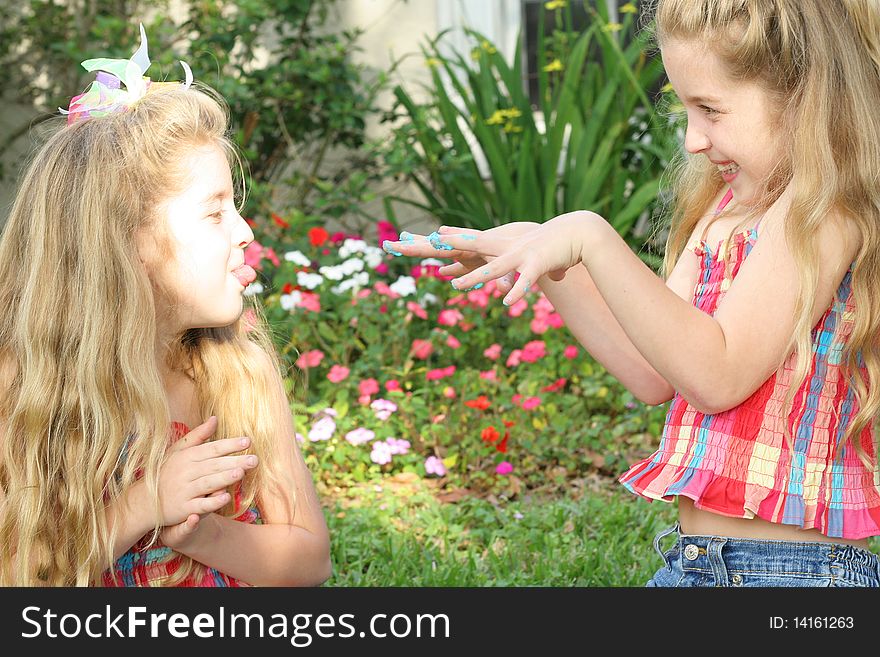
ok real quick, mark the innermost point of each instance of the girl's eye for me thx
(708, 110)
(217, 216)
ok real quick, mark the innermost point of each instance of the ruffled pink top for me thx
(736, 463)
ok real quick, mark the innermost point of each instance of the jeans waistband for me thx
(716, 554)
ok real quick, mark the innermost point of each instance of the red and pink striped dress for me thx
(737, 463)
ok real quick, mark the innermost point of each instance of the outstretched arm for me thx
(714, 362)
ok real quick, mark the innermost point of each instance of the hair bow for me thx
(105, 95)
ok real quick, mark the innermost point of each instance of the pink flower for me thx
(255, 252)
(556, 385)
(442, 373)
(493, 352)
(392, 384)
(570, 352)
(449, 317)
(478, 298)
(420, 270)
(368, 387)
(533, 351)
(386, 231)
(504, 468)
(338, 373)
(310, 301)
(449, 392)
(309, 359)
(453, 342)
(381, 453)
(489, 375)
(434, 466)
(359, 436)
(530, 403)
(382, 268)
(322, 429)
(397, 445)
(421, 349)
(384, 289)
(364, 400)
(518, 308)
(416, 309)
(514, 358)
(364, 293)
(383, 408)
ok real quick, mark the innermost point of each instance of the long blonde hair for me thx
(820, 63)
(78, 337)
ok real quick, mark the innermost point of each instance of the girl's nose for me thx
(695, 140)
(242, 235)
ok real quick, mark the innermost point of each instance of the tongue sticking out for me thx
(245, 275)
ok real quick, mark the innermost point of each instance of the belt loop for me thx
(659, 537)
(716, 561)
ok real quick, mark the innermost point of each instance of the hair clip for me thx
(105, 95)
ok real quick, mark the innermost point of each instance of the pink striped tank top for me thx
(737, 463)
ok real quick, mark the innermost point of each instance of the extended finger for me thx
(198, 435)
(411, 244)
(502, 266)
(223, 463)
(216, 481)
(217, 448)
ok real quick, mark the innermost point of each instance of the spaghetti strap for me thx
(724, 201)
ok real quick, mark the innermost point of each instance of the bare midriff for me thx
(705, 523)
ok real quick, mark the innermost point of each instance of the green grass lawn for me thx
(400, 534)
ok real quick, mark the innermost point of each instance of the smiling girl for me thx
(764, 332)
(145, 436)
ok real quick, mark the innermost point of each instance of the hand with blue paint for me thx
(472, 250)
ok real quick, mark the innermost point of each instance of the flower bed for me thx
(393, 370)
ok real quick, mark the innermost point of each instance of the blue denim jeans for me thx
(726, 561)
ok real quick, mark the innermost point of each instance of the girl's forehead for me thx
(694, 69)
(205, 167)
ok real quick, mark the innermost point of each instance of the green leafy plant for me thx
(594, 140)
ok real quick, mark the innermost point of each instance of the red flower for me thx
(317, 236)
(287, 289)
(556, 385)
(481, 403)
(502, 446)
(279, 221)
(490, 435)
(508, 423)
(251, 223)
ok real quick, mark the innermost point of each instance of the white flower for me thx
(352, 265)
(252, 289)
(432, 261)
(428, 299)
(298, 258)
(350, 246)
(290, 301)
(333, 273)
(356, 282)
(374, 257)
(404, 286)
(307, 280)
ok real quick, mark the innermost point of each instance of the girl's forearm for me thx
(586, 314)
(133, 516)
(684, 345)
(261, 555)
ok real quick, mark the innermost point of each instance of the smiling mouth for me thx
(728, 169)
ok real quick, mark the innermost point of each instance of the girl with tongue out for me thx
(145, 435)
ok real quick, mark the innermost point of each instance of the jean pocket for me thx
(668, 554)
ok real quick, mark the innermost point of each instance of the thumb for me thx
(198, 435)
